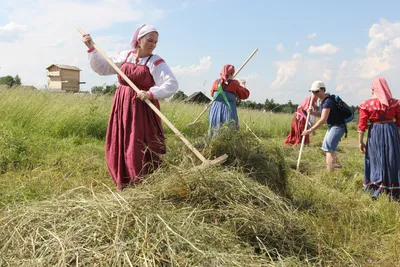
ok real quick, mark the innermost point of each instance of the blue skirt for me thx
(382, 160)
(219, 113)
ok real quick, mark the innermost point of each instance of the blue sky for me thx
(344, 43)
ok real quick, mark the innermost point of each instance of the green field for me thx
(58, 205)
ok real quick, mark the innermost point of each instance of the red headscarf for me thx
(226, 71)
(382, 90)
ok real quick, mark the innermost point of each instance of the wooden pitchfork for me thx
(205, 162)
(209, 104)
(305, 128)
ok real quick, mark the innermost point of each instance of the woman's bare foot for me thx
(119, 188)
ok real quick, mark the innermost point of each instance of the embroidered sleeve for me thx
(165, 82)
(101, 66)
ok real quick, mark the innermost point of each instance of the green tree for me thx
(97, 90)
(179, 96)
(270, 105)
(17, 80)
(105, 89)
(7, 80)
(110, 89)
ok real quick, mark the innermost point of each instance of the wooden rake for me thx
(304, 137)
(205, 162)
(234, 75)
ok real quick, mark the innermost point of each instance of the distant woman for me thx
(135, 136)
(225, 91)
(382, 151)
(299, 122)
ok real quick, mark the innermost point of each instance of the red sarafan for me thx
(299, 123)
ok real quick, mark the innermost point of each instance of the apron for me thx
(135, 136)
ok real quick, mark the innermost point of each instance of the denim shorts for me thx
(332, 137)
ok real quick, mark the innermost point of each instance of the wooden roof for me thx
(197, 97)
(65, 67)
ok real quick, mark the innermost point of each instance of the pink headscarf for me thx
(306, 103)
(139, 33)
(226, 71)
(382, 90)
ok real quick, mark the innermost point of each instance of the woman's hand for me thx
(87, 39)
(243, 83)
(306, 132)
(362, 147)
(143, 95)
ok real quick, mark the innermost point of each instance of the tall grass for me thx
(58, 206)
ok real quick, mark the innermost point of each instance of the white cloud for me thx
(312, 35)
(286, 70)
(297, 56)
(339, 87)
(323, 49)
(11, 32)
(297, 43)
(249, 77)
(327, 74)
(45, 32)
(382, 53)
(203, 66)
(280, 47)
(380, 57)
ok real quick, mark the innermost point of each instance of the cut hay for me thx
(264, 162)
(212, 218)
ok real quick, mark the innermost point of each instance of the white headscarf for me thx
(140, 32)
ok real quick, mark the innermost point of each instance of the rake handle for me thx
(148, 102)
(304, 137)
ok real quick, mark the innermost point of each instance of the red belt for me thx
(381, 122)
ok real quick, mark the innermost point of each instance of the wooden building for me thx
(63, 78)
(197, 97)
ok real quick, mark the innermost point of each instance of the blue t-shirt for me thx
(334, 116)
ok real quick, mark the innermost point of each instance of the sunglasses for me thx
(315, 92)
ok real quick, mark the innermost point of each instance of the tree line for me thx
(10, 81)
(269, 105)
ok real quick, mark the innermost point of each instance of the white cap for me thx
(316, 86)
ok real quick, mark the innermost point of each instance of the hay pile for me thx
(213, 217)
(264, 163)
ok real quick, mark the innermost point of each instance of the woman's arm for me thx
(324, 116)
(165, 82)
(240, 91)
(361, 142)
(214, 88)
(101, 66)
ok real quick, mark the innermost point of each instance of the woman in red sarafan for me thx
(135, 136)
(382, 150)
(299, 122)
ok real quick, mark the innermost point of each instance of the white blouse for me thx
(165, 82)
